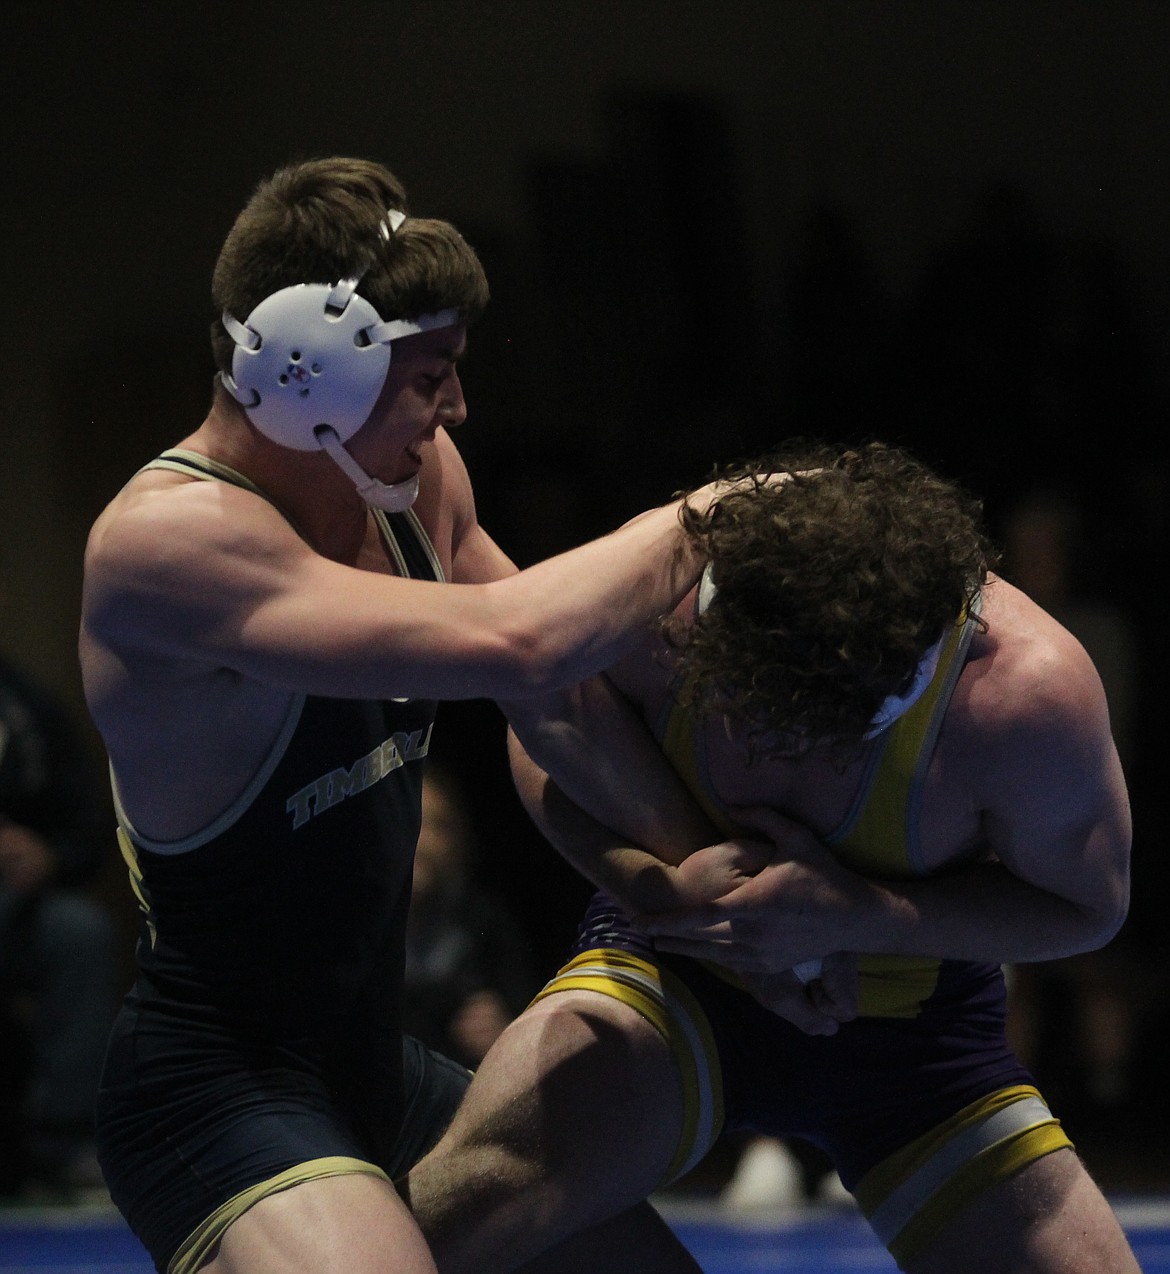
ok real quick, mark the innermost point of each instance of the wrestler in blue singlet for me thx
(261, 1044)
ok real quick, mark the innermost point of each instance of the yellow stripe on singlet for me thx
(876, 840)
(675, 1014)
(911, 1196)
(129, 854)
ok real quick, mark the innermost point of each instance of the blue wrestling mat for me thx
(821, 1238)
(80, 1241)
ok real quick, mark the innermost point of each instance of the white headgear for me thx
(309, 364)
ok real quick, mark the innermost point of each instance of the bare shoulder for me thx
(1032, 652)
(155, 584)
(1029, 690)
(168, 565)
(162, 551)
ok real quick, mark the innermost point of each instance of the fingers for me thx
(751, 856)
(785, 996)
(835, 992)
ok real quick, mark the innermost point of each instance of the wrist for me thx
(640, 882)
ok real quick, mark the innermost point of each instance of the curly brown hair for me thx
(319, 221)
(830, 587)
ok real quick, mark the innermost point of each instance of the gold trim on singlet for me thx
(667, 1004)
(909, 1197)
(200, 1245)
(235, 811)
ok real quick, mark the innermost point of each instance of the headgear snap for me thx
(309, 364)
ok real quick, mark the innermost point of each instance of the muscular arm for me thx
(212, 576)
(1056, 820)
(1056, 826)
(600, 753)
(642, 881)
(623, 790)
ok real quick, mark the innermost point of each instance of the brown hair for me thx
(320, 221)
(830, 587)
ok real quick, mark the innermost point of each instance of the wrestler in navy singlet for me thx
(270, 969)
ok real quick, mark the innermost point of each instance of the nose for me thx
(452, 405)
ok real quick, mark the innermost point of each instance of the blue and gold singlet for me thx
(261, 1043)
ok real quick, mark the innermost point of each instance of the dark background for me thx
(706, 227)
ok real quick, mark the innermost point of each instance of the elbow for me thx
(1104, 920)
(532, 663)
(543, 641)
(1111, 924)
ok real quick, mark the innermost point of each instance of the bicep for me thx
(247, 595)
(478, 559)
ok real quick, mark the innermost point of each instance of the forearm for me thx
(603, 757)
(982, 912)
(613, 862)
(580, 611)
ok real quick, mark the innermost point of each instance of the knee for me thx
(575, 1070)
(596, 1033)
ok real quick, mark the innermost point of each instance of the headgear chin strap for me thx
(309, 364)
(393, 497)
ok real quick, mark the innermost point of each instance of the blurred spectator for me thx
(771, 1172)
(58, 968)
(1075, 1021)
(469, 970)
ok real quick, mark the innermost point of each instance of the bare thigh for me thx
(1049, 1217)
(353, 1224)
(570, 1121)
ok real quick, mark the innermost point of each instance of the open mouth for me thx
(414, 449)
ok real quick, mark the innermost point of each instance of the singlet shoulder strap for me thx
(194, 465)
(405, 537)
(410, 546)
(881, 831)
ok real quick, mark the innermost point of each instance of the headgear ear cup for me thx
(304, 358)
(309, 364)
